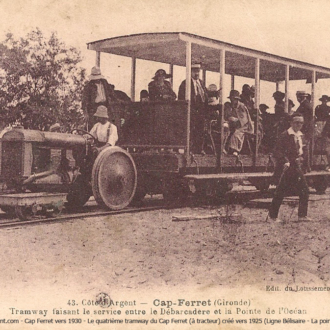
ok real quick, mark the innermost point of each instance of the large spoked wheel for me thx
(114, 178)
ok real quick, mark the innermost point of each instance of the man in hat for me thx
(238, 121)
(198, 95)
(281, 118)
(322, 111)
(247, 96)
(96, 92)
(305, 109)
(266, 123)
(104, 131)
(279, 102)
(198, 102)
(161, 89)
(290, 154)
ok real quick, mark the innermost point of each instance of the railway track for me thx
(14, 222)
(91, 209)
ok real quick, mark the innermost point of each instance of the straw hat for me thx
(95, 73)
(302, 93)
(196, 66)
(101, 112)
(234, 94)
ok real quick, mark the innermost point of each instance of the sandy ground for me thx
(233, 244)
(218, 247)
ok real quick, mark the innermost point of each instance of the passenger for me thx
(199, 100)
(213, 108)
(263, 109)
(267, 122)
(325, 139)
(247, 96)
(96, 92)
(198, 91)
(322, 111)
(305, 109)
(238, 120)
(290, 155)
(211, 119)
(144, 96)
(291, 106)
(213, 95)
(160, 89)
(104, 131)
(281, 118)
(280, 104)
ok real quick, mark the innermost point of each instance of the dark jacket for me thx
(193, 97)
(158, 93)
(89, 95)
(322, 112)
(305, 109)
(286, 152)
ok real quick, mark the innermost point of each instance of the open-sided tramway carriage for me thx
(40, 170)
(158, 136)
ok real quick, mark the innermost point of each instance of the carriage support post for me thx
(222, 98)
(188, 87)
(133, 73)
(257, 101)
(98, 59)
(287, 79)
(313, 106)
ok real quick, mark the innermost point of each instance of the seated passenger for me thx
(305, 109)
(325, 139)
(144, 96)
(160, 89)
(238, 120)
(322, 111)
(279, 102)
(213, 98)
(103, 131)
(247, 96)
(211, 119)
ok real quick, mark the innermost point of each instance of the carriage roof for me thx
(171, 48)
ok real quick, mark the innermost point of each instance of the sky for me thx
(296, 29)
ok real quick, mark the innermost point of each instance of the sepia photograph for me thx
(164, 165)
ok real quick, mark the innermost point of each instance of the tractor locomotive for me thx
(42, 170)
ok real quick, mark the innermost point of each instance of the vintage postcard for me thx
(164, 165)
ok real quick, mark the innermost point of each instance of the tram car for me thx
(39, 170)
